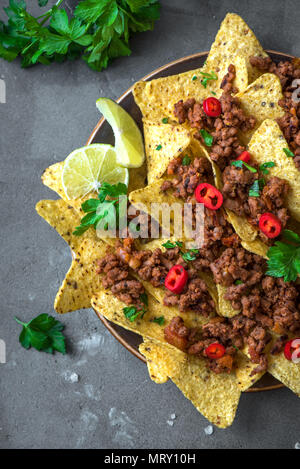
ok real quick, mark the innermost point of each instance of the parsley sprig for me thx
(208, 77)
(132, 312)
(264, 166)
(187, 256)
(284, 259)
(44, 333)
(97, 209)
(207, 137)
(98, 31)
(241, 163)
(256, 187)
(288, 152)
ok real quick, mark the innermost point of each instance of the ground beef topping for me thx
(116, 277)
(153, 266)
(287, 72)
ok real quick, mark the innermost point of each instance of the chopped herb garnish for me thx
(160, 320)
(207, 137)
(144, 299)
(284, 259)
(238, 282)
(159, 147)
(241, 163)
(194, 78)
(44, 333)
(207, 77)
(186, 256)
(214, 93)
(288, 152)
(97, 209)
(186, 160)
(131, 313)
(256, 188)
(165, 120)
(169, 245)
(263, 167)
(189, 255)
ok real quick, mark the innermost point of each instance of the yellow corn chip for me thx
(214, 396)
(163, 143)
(260, 100)
(234, 39)
(243, 372)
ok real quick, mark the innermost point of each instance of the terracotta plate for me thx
(103, 134)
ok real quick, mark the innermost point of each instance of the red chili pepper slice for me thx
(244, 156)
(212, 107)
(209, 196)
(176, 279)
(270, 225)
(292, 350)
(215, 350)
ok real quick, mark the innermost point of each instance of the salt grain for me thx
(297, 445)
(173, 416)
(170, 422)
(209, 430)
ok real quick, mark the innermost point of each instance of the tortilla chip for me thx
(267, 145)
(235, 39)
(157, 373)
(214, 396)
(285, 371)
(63, 218)
(260, 100)
(225, 308)
(172, 141)
(81, 281)
(243, 372)
(257, 246)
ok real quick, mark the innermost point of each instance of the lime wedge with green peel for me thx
(88, 167)
(128, 138)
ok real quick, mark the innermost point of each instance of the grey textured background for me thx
(49, 112)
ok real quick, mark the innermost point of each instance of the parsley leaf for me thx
(241, 163)
(160, 320)
(256, 188)
(159, 147)
(263, 167)
(44, 333)
(284, 259)
(186, 160)
(98, 209)
(238, 282)
(207, 137)
(98, 32)
(207, 77)
(288, 152)
(169, 245)
(132, 313)
(165, 120)
(189, 255)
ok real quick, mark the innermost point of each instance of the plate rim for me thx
(96, 129)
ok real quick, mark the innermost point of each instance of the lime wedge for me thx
(128, 138)
(86, 168)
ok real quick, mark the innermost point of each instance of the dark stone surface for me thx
(49, 112)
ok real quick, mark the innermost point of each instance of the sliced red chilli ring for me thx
(292, 350)
(209, 196)
(176, 279)
(215, 350)
(212, 107)
(244, 156)
(270, 225)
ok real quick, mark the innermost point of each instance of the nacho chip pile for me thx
(216, 396)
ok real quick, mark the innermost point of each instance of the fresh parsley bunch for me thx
(99, 31)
